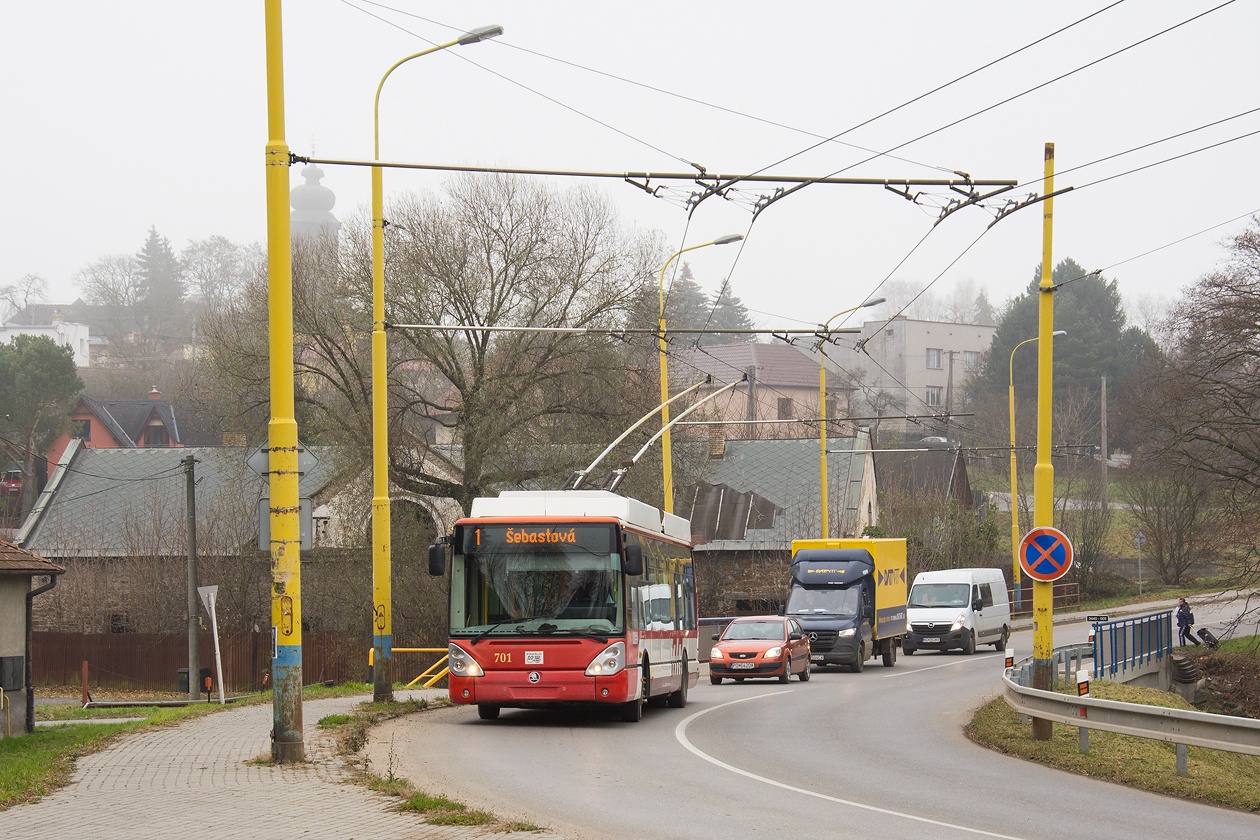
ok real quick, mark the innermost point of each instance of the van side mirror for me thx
(977, 605)
(437, 559)
(632, 560)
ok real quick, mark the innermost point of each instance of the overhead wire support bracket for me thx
(1033, 198)
(973, 198)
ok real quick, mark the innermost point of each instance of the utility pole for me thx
(949, 391)
(751, 373)
(1102, 450)
(194, 623)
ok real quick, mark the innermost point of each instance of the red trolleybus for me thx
(569, 597)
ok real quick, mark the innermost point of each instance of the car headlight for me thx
(461, 662)
(773, 653)
(611, 661)
(844, 634)
(958, 622)
(716, 653)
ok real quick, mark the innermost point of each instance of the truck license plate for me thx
(742, 666)
(817, 657)
(931, 640)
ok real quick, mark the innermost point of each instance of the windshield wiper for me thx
(496, 626)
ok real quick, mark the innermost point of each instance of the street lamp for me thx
(1015, 540)
(382, 623)
(667, 468)
(822, 407)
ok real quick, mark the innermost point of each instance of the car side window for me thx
(986, 594)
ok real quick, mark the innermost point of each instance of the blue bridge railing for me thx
(1130, 643)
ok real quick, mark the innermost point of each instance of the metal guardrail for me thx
(1177, 726)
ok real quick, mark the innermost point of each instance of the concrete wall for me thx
(13, 589)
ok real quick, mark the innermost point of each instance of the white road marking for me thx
(903, 671)
(680, 733)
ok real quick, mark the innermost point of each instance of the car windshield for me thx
(842, 602)
(743, 630)
(939, 595)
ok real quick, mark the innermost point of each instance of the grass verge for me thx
(1221, 778)
(352, 733)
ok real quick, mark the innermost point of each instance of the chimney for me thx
(717, 440)
(155, 394)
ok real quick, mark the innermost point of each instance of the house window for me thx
(934, 395)
(81, 429)
(156, 435)
(971, 360)
(934, 355)
(785, 408)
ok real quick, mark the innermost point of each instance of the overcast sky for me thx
(124, 115)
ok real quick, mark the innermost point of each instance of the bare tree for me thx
(16, 297)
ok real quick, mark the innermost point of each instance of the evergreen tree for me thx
(161, 288)
(727, 311)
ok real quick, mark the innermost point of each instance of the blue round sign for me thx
(1045, 554)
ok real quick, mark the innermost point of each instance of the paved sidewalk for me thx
(199, 779)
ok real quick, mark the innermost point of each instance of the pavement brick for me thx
(200, 779)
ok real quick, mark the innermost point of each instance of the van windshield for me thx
(939, 595)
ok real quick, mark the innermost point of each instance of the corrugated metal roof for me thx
(784, 473)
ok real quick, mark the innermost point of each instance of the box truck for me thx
(958, 608)
(849, 596)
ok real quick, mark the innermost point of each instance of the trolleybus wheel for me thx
(678, 699)
(486, 712)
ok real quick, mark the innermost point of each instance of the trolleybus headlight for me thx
(611, 661)
(461, 664)
(773, 653)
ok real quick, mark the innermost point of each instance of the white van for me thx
(958, 608)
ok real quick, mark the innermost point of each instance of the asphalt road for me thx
(879, 754)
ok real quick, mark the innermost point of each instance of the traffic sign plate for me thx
(1045, 554)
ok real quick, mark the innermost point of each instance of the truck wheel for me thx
(890, 652)
(969, 643)
(907, 650)
(487, 712)
(1000, 644)
(860, 662)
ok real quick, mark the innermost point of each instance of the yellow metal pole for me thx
(822, 411)
(286, 589)
(667, 467)
(1015, 536)
(822, 441)
(382, 589)
(1043, 475)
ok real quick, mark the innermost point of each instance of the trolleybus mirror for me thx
(437, 559)
(631, 560)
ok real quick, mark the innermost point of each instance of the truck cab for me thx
(832, 598)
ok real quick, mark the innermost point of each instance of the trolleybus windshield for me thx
(536, 578)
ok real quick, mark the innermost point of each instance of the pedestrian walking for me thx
(1185, 621)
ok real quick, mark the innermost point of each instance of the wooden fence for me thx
(141, 661)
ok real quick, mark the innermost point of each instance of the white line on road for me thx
(680, 733)
(904, 671)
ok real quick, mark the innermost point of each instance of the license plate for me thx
(817, 657)
(931, 640)
(742, 666)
